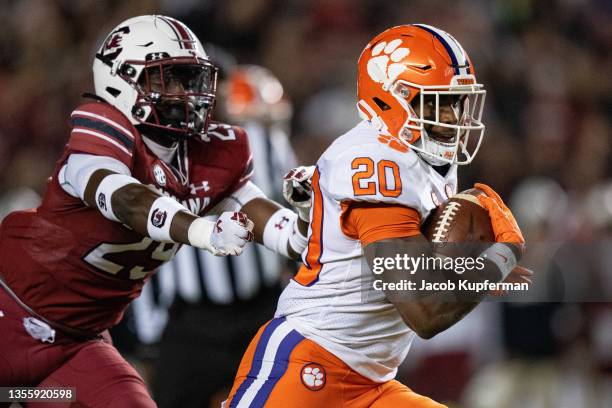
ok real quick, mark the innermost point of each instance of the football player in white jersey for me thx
(332, 344)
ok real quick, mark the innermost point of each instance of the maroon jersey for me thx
(72, 265)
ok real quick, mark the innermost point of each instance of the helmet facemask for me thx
(449, 136)
(175, 96)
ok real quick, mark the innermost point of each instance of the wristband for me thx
(502, 256)
(160, 218)
(297, 241)
(279, 231)
(107, 188)
(199, 235)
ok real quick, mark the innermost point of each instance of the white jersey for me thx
(325, 301)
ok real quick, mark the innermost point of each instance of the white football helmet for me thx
(155, 71)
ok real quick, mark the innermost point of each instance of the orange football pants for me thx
(282, 369)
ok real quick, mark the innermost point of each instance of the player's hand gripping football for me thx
(505, 230)
(232, 231)
(504, 225)
(297, 190)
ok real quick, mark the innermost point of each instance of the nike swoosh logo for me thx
(505, 259)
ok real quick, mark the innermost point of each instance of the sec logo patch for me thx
(313, 376)
(160, 176)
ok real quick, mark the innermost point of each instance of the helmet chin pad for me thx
(435, 150)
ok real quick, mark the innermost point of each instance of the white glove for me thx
(297, 190)
(227, 236)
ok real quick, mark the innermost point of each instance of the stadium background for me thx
(546, 66)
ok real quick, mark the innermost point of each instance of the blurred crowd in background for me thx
(546, 66)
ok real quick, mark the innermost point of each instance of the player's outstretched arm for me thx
(277, 228)
(122, 198)
(131, 202)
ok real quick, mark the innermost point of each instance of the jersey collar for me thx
(166, 154)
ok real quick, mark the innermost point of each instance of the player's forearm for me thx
(259, 210)
(429, 312)
(439, 310)
(433, 317)
(277, 228)
(133, 204)
(140, 208)
(426, 308)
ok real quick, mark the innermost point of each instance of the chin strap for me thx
(429, 157)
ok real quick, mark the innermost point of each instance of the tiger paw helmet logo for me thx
(313, 376)
(384, 66)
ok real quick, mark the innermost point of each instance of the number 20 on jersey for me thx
(383, 176)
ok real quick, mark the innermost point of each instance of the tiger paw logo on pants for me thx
(313, 376)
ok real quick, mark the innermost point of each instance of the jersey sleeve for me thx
(375, 174)
(99, 129)
(371, 222)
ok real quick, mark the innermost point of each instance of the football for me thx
(460, 220)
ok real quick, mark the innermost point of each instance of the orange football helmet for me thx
(409, 69)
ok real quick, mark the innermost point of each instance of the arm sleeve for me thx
(74, 175)
(371, 222)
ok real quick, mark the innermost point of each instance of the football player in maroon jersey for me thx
(144, 171)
